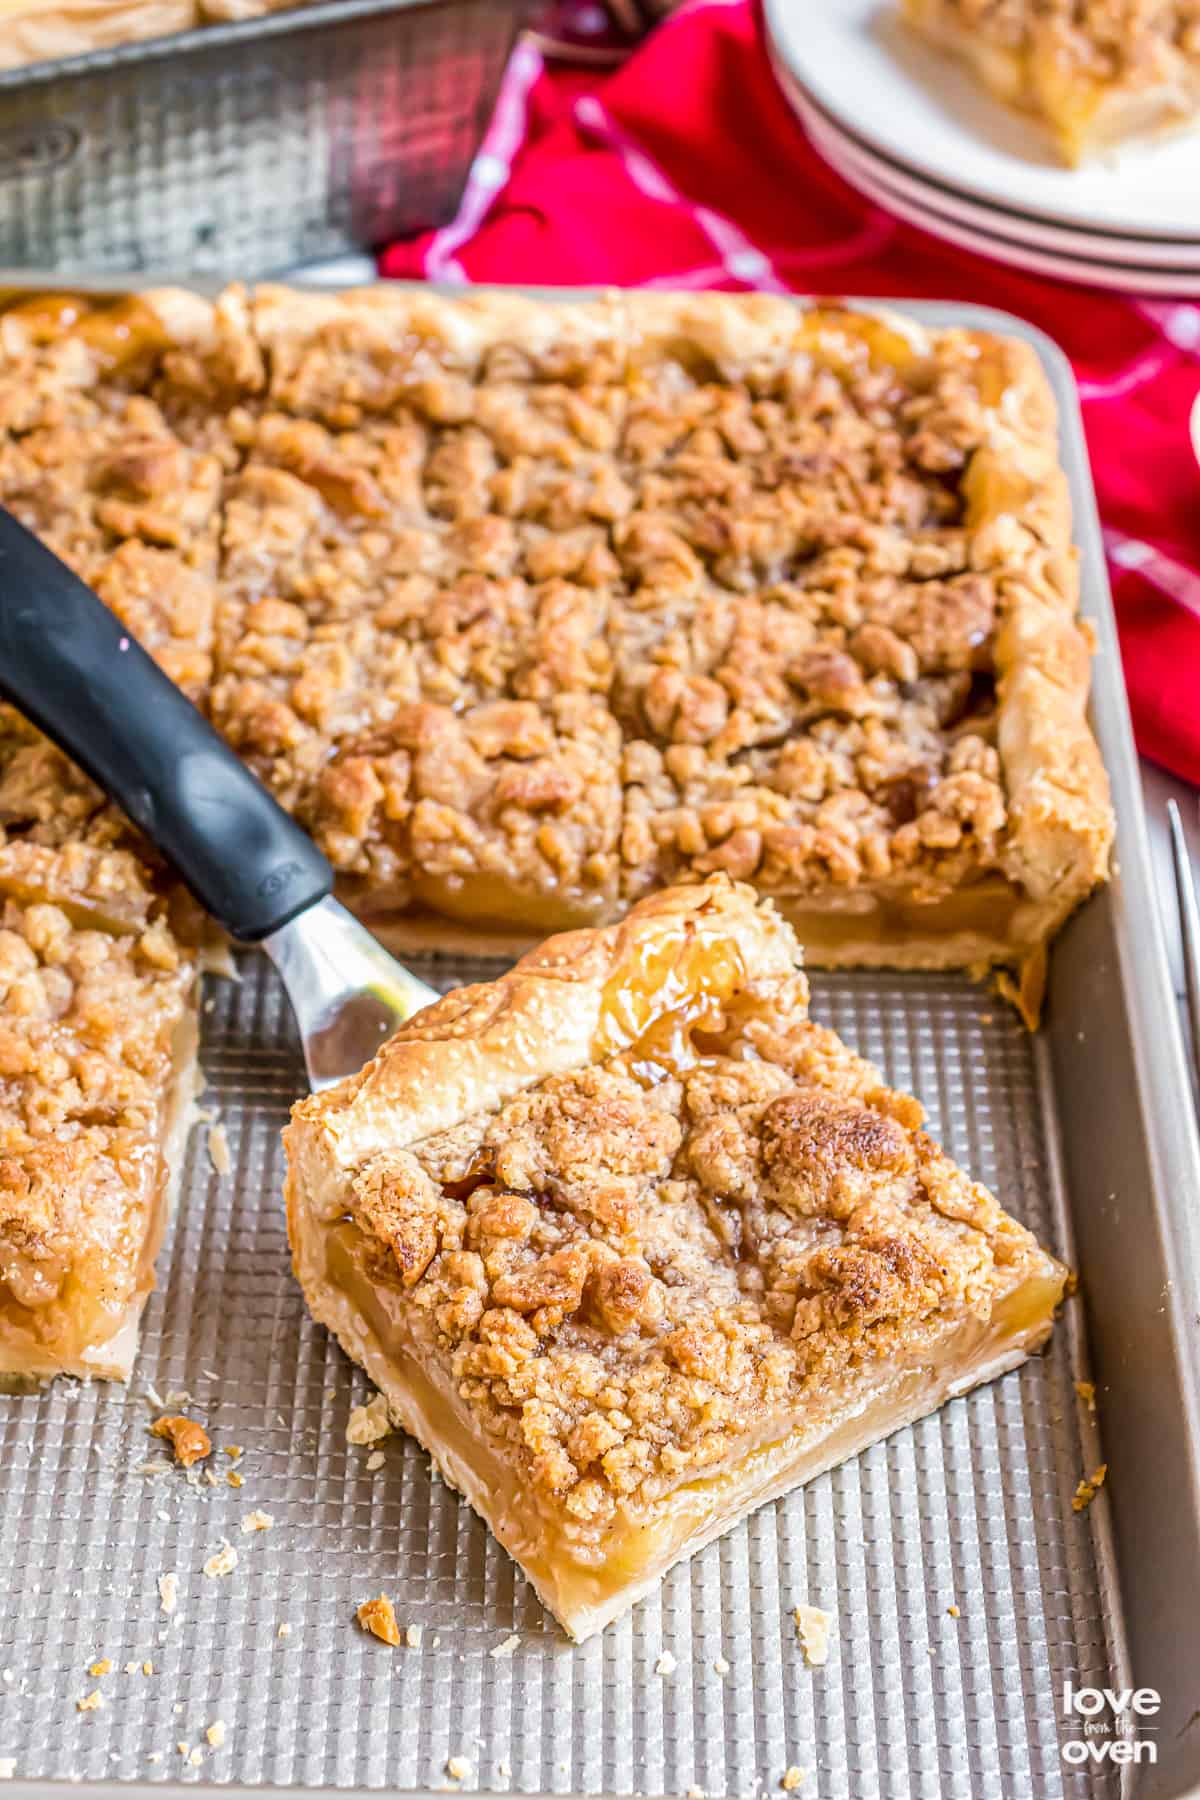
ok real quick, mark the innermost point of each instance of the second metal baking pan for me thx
(250, 146)
(988, 1639)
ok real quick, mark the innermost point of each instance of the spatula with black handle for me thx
(74, 670)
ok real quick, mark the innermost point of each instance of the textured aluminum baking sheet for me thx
(242, 149)
(969, 1508)
(1084, 1132)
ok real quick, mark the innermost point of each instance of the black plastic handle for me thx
(73, 669)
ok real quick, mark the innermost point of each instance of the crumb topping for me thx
(570, 641)
(631, 1269)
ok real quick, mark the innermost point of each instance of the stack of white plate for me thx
(913, 130)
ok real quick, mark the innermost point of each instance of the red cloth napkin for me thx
(686, 168)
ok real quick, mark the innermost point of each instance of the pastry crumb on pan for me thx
(632, 1245)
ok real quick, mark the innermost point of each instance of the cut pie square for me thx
(632, 1245)
(1096, 72)
(97, 1074)
(97, 1067)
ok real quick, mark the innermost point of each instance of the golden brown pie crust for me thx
(631, 1244)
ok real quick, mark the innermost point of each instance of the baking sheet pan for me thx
(1084, 1132)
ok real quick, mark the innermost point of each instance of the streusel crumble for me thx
(632, 1245)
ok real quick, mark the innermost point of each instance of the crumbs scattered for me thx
(103, 1667)
(791, 1778)
(218, 1149)
(1071, 1284)
(234, 1451)
(234, 1479)
(188, 1439)
(221, 1562)
(196, 1757)
(147, 1668)
(375, 1461)
(285, 1630)
(458, 1768)
(507, 1647)
(666, 1664)
(1087, 1393)
(131, 1668)
(1087, 1490)
(413, 1634)
(168, 1592)
(216, 1733)
(812, 1628)
(257, 1521)
(721, 1666)
(90, 1702)
(954, 1612)
(368, 1424)
(378, 1616)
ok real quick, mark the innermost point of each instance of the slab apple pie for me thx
(1096, 72)
(528, 610)
(632, 1245)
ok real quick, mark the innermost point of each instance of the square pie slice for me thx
(97, 1067)
(632, 1245)
(1096, 72)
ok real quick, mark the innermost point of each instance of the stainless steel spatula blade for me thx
(347, 993)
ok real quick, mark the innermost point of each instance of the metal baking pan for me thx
(252, 146)
(1085, 1132)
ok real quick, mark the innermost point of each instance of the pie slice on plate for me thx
(632, 1245)
(1097, 72)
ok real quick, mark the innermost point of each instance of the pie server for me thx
(73, 669)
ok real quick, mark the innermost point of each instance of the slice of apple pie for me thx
(97, 1059)
(1097, 72)
(632, 1245)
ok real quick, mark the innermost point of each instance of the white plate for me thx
(1125, 280)
(1138, 253)
(921, 109)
